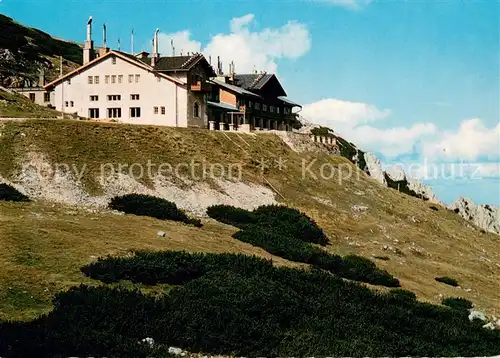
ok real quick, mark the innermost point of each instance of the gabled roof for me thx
(180, 63)
(257, 81)
(287, 101)
(124, 56)
(252, 81)
(234, 88)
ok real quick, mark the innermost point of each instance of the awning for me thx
(224, 106)
(286, 100)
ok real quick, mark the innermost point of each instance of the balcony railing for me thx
(200, 86)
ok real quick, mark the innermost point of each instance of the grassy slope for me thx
(14, 105)
(46, 253)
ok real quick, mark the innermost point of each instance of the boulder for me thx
(477, 315)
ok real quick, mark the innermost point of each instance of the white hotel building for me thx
(136, 88)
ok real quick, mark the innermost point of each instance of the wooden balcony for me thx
(201, 86)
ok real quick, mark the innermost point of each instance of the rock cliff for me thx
(484, 216)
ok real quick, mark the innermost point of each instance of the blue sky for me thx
(406, 79)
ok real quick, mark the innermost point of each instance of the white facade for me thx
(113, 88)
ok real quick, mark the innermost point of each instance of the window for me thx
(46, 97)
(106, 79)
(162, 110)
(264, 107)
(134, 97)
(155, 110)
(277, 110)
(93, 112)
(91, 80)
(113, 60)
(257, 105)
(114, 97)
(130, 78)
(272, 109)
(286, 110)
(196, 110)
(94, 98)
(96, 80)
(71, 103)
(114, 112)
(32, 97)
(120, 78)
(135, 112)
(137, 77)
(250, 104)
(113, 78)
(66, 104)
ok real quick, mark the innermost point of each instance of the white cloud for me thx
(471, 141)
(332, 111)
(248, 49)
(348, 4)
(350, 119)
(182, 42)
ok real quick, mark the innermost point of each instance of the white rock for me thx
(359, 208)
(375, 168)
(161, 234)
(485, 217)
(174, 350)
(149, 341)
(489, 326)
(477, 315)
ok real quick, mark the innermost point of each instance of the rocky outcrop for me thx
(396, 178)
(375, 168)
(485, 217)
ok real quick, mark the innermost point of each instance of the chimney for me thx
(231, 72)
(41, 78)
(88, 49)
(156, 56)
(104, 49)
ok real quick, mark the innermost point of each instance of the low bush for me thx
(9, 193)
(383, 258)
(447, 280)
(402, 295)
(458, 303)
(433, 207)
(244, 306)
(232, 216)
(291, 222)
(351, 267)
(146, 205)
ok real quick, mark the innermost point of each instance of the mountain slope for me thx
(358, 214)
(24, 51)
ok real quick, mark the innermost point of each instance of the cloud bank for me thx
(250, 50)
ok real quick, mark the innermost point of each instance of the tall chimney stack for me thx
(104, 48)
(156, 56)
(88, 49)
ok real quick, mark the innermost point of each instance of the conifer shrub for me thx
(247, 307)
(146, 205)
(458, 303)
(292, 222)
(447, 280)
(280, 244)
(9, 193)
(232, 216)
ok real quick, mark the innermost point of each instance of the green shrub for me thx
(447, 280)
(9, 193)
(402, 295)
(247, 307)
(230, 215)
(280, 244)
(458, 303)
(291, 222)
(146, 205)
